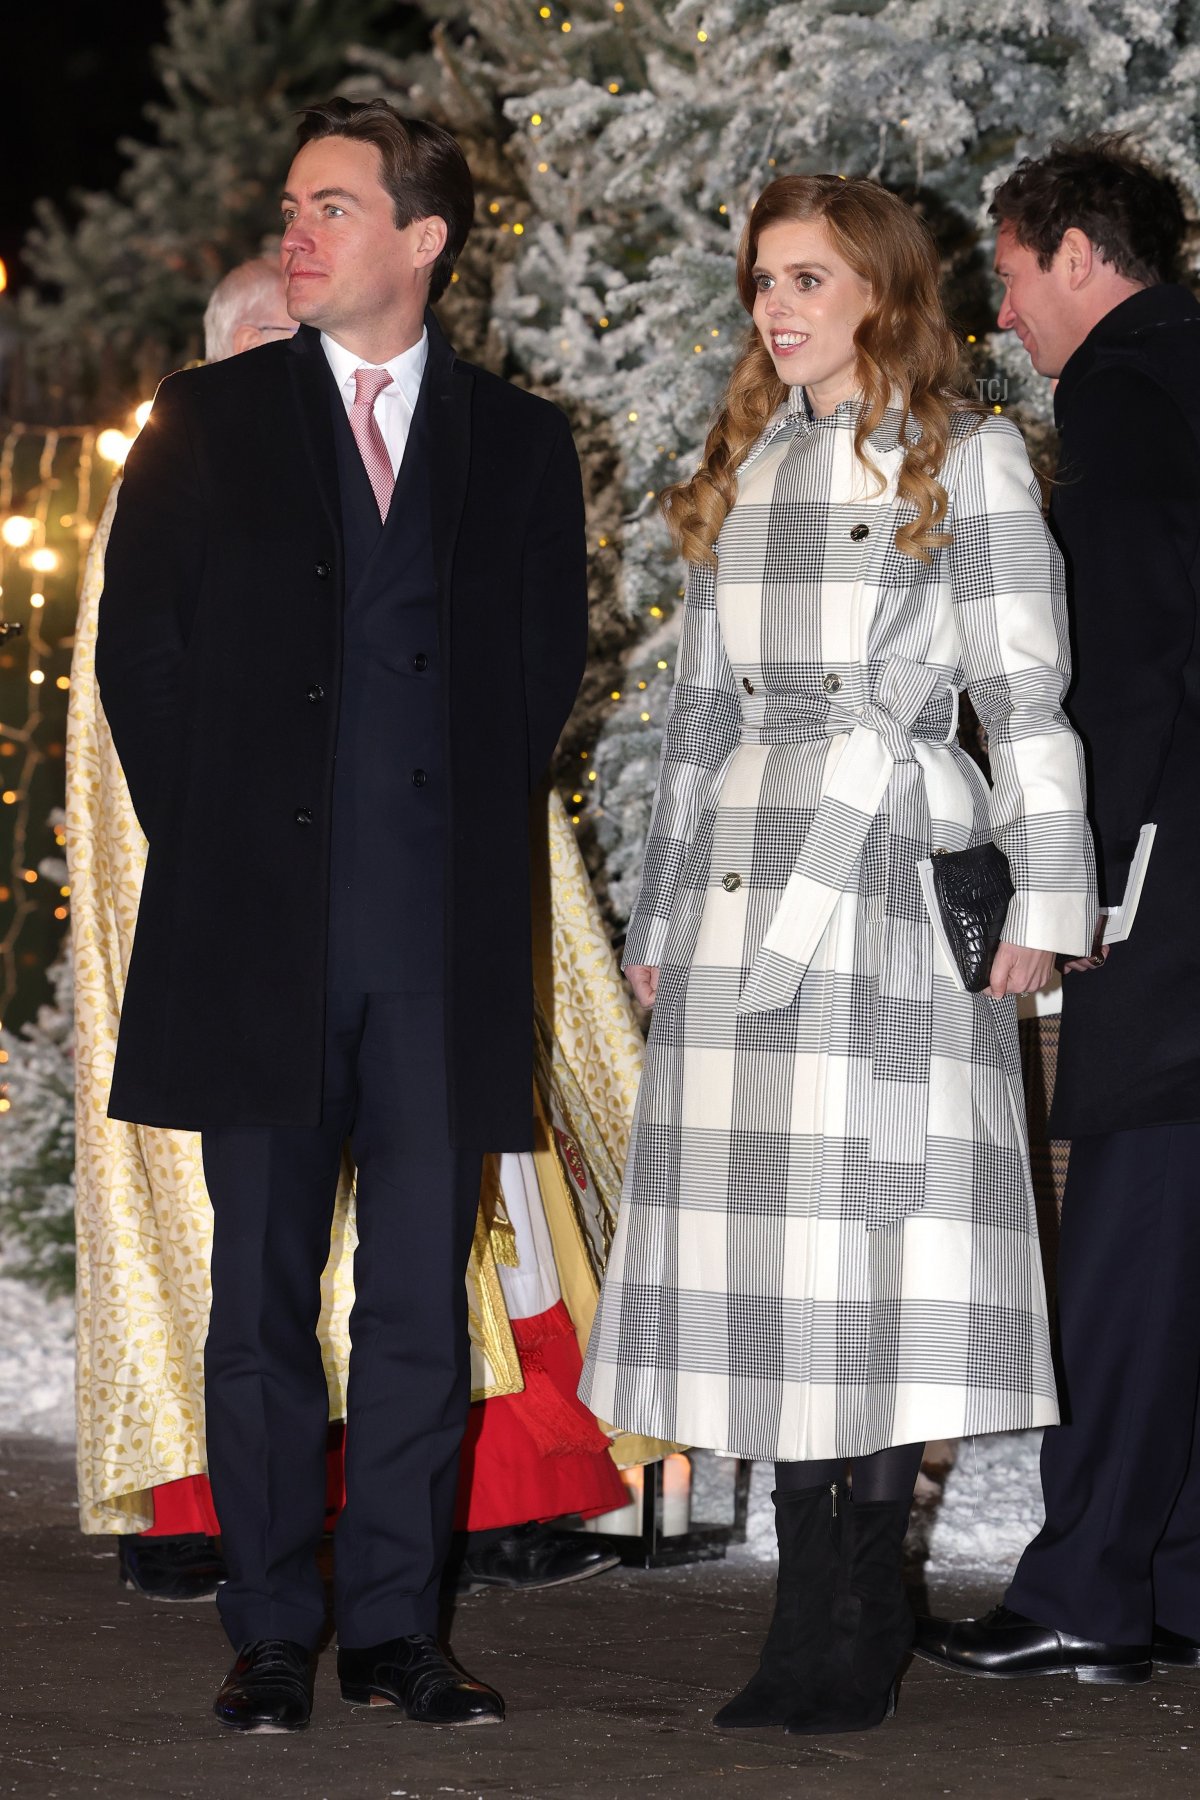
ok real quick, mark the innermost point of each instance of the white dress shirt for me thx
(395, 406)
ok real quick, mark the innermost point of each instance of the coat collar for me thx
(1166, 303)
(797, 418)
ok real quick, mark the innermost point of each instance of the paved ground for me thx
(610, 1685)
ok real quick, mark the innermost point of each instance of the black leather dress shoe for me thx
(414, 1674)
(530, 1556)
(170, 1568)
(1177, 1652)
(1006, 1644)
(269, 1688)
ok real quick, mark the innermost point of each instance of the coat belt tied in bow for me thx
(878, 753)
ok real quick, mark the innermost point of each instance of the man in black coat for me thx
(1088, 240)
(344, 621)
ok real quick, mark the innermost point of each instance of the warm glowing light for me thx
(543, 12)
(37, 677)
(142, 413)
(535, 118)
(44, 561)
(641, 686)
(997, 409)
(618, 5)
(29, 875)
(722, 209)
(574, 818)
(518, 231)
(65, 892)
(614, 87)
(113, 446)
(591, 774)
(661, 663)
(566, 24)
(699, 349)
(645, 718)
(3, 275)
(970, 337)
(715, 332)
(17, 531)
(494, 207)
(37, 601)
(702, 37)
(63, 681)
(633, 418)
(9, 796)
(576, 799)
(5, 1105)
(60, 912)
(616, 694)
(542, 168)
(603, 543)
(656, 612)
(603, 324)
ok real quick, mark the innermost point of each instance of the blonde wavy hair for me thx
(904, 345)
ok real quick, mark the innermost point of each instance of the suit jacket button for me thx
(747, 684)
(316, 692)
(323, 571)
(419, 778)
(303, 815)
(731, 882)
(420, 662)
(859, 532)
(832, 684)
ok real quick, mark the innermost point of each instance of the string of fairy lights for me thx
(53, 480)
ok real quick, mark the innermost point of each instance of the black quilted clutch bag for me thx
(973, 890)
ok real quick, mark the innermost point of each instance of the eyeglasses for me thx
(280, 330)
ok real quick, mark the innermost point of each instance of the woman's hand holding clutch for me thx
(1016, 970)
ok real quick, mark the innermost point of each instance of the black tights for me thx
(888, 1475)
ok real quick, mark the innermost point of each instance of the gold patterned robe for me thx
(144, 1223)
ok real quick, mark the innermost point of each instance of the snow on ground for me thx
(986, 1513)
(37, 1363)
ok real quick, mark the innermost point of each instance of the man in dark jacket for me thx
(1089, 238)
(344, 621)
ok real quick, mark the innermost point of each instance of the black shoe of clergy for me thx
(170, 1568)
(798, 1641)
(414, 1674)
(269, 1688)
(1006, 1644)
(530, 1556)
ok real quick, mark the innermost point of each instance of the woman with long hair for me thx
(827, 1248)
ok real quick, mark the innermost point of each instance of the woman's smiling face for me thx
(808, 305)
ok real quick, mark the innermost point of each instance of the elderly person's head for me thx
(246, 308)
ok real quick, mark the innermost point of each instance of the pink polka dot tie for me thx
(368, 385)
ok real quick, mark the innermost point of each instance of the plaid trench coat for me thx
(827, 1241)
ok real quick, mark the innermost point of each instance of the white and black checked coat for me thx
(827, 1241)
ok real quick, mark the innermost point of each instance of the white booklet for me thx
(1120, 919)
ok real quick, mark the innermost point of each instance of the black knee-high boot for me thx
(806, 1524)
(871, 1624)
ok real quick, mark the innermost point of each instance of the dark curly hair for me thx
(424, 170)
(1131, 214)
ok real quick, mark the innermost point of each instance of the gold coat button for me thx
(731, 882)
(832, 684)
(859, 532)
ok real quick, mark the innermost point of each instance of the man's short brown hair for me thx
(424, 170)
(1132, 215)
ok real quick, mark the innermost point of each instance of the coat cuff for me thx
(1062, 923)
(645, 941)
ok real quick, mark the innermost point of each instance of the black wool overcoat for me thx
(1126, 511)
(221, 618)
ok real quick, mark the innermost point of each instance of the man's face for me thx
(345, 263)
(269, 323)
(1039, 304)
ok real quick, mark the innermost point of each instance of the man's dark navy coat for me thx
(1126, 511)
(220, 664)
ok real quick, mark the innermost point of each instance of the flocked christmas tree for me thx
(634, 136)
